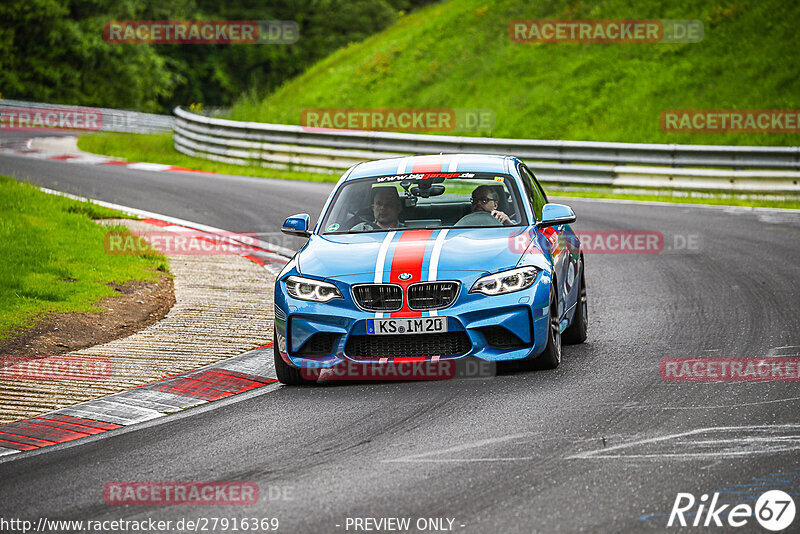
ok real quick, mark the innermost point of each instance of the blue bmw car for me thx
(431, 258)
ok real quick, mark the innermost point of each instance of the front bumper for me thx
(474, 318)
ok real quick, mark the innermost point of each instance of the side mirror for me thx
(297, 225)
(556, 214)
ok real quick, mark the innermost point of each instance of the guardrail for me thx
(113, 120)
(708, 167)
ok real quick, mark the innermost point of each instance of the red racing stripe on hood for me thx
(428, 164)
(408, 256)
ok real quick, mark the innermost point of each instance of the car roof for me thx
(432, 163)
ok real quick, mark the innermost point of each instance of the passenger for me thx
(386, 207)
(485, 198)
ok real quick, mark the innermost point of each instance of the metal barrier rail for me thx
(745, 168)
(736, 168)
(113, 120)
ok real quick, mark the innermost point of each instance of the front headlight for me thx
(313, 290)
(506, 281)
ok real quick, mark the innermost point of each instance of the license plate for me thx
(411, 325)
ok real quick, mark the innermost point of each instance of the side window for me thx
(538, 188)
(533, 191)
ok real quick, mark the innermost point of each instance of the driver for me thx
(484, 198)
(386, 207)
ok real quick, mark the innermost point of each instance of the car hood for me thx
(354, 258)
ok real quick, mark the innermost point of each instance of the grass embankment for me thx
(458, 54)
(54, 259)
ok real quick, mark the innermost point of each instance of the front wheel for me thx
(576, 333)
(551, 356)
(287, 374)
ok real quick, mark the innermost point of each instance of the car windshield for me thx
(429, 200)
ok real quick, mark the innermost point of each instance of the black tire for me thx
(286, 373)
(576, 332)
(551, 356)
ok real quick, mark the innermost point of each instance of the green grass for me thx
(54, 259)
(158, 148)
(457, 54)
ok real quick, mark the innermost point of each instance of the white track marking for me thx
(780, 444)
(718, 406)
(466, 460)
(778, 351)
(148, 166)
(89, 160)
(421, 457)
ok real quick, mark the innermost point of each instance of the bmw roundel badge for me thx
(404, 276)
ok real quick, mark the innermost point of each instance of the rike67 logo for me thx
(774, 510)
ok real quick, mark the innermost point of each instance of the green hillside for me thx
(458, 54)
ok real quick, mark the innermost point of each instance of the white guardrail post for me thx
(707, 167)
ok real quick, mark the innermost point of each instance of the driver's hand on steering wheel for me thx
(502, 217)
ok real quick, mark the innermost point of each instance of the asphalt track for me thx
(602, 444)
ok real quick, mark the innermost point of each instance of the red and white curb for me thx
(248, 371)
(245, 372)
(23, 148)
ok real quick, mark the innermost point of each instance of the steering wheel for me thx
(478, 218)
(355, 219)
